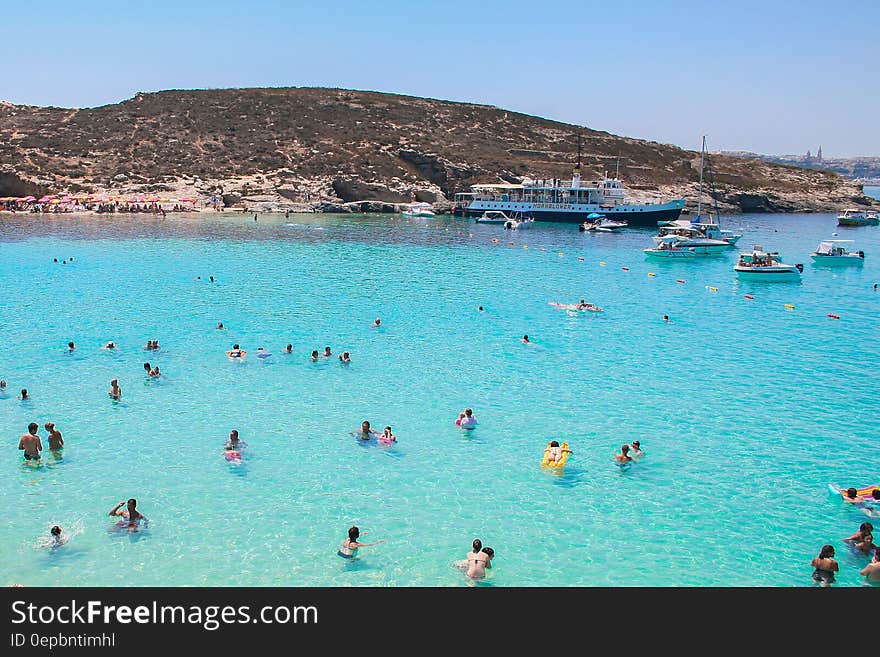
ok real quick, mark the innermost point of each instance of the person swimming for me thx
(30, 443)
(377, 322)
(235, 352)
(365, 432)
(824, 566)
(624, 456)
(344, 357)
(478, 560)
(327, 353)
(115, 390)
(148, 368)
(154, 373)
(636, 449)
(233, 443)
(288, 349)
(56, 440)
(351, 544)
(314, 356)
(71, 346)
(131, 515)
(525, 339)
(468, 421)
(262, 353)
(110, 345)
(387, 437)
(220, 325)
(24, 395)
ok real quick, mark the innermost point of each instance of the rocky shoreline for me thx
(339, 150)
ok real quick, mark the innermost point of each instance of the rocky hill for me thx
(320, 148)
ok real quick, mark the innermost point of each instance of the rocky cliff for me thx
(318, 148)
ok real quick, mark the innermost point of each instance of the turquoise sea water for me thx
(745, 410)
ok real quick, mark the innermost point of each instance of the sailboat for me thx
(709, 226)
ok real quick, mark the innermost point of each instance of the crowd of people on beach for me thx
(97, 204)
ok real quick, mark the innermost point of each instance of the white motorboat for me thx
(686, 236)
(854, 217)
(761, 265)
(492, 217)
(668, 248)
(832, 252)
(518, 223)
(418, 210)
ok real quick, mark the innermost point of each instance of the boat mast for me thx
(700, 197)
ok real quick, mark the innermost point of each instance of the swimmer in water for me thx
(824, 566)
(130, 513)
(871, 572)
(665, 318)
(147, 368)
(56, 440)
(387, 437)
(351, 544)
(235, 352)
(2, 385)
(115, 390)
(636, 449)
(365, 432)
(478, 560)
(327, 353)
(149, 345)
(480, 308)
(220, 325)
(56, 537)
(344, 357)
(110, 345)
(525, 339)
(314, 356)
(155, 372)
(233, 444)
(71, 346)
(23, 395)
(376, 322)
(624, 456)
(262, 353)
(155, 345)
(288, 349)
(211, 278)
(862, 540)
(467, 419)
(30, 443)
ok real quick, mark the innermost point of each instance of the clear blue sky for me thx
(770, 77)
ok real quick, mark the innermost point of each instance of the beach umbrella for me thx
(44, 199)
(29, 198)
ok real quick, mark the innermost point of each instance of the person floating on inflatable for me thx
(466, 419)
(556, 455)
(386, 437)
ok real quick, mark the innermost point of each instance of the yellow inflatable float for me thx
(548, 461)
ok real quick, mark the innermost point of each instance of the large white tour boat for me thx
(566, 201)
